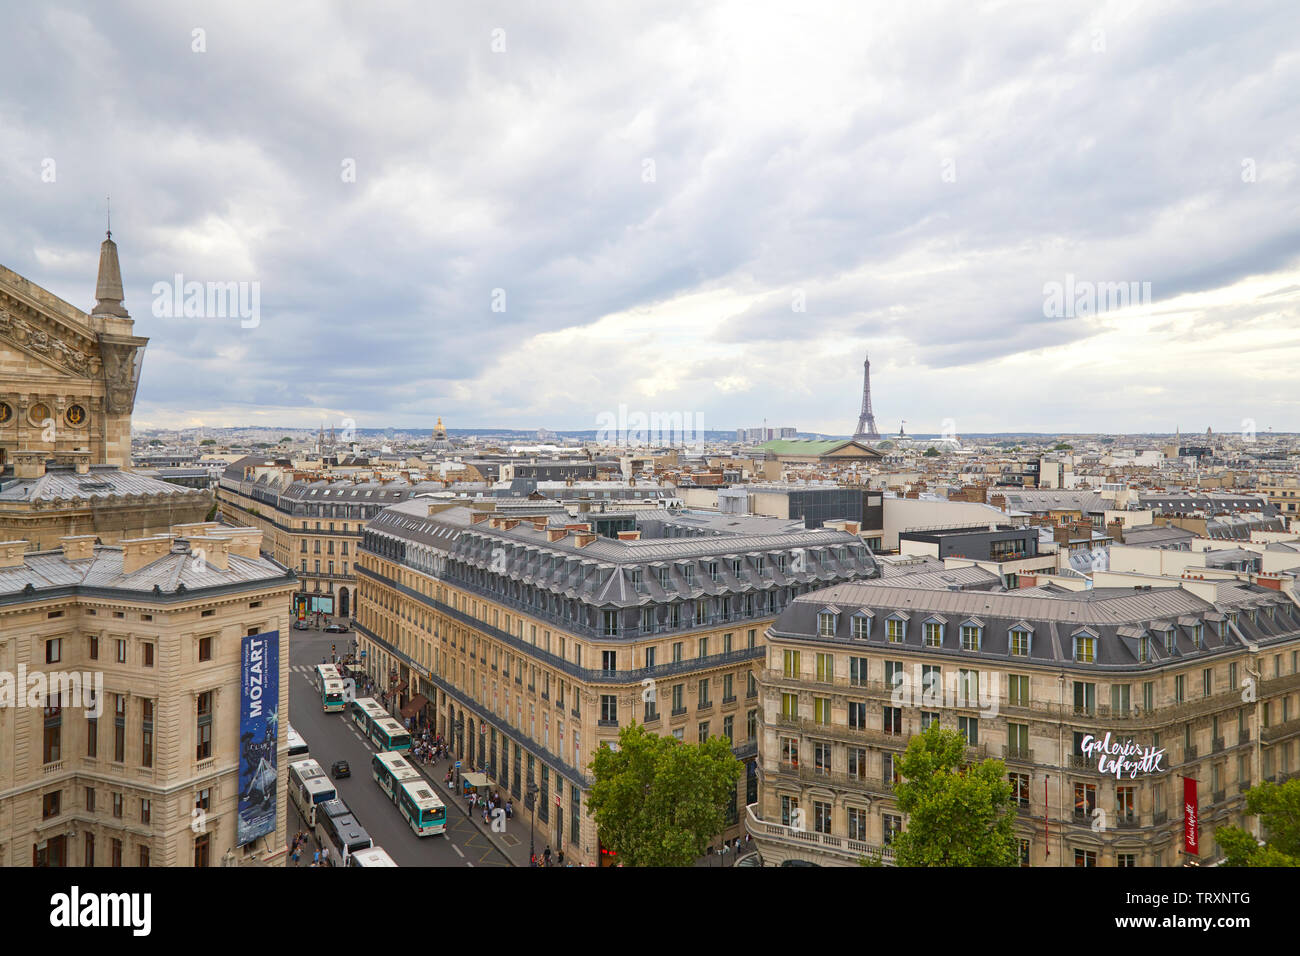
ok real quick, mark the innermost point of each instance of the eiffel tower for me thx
(867, 430)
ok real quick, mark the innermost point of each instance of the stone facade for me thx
(67, 378)
(71, 792)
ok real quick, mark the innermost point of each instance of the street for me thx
(334, 736)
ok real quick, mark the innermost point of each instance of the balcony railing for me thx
(1161, 817)
(843, 847)
(1018, 753)
(1216, 745)
(1278, 731)
(1190, 753)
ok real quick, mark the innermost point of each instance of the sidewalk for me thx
(513, 843)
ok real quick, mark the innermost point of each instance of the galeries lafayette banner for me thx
(1122, 758)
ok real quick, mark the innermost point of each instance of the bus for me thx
(366, 710)
(375, 856)
(330, 684)
(327, 811)
(390, 770)
(345, 835)
(309, 787)
(422, 808)
(388, 734)
(297, 744)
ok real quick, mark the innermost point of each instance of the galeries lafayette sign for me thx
(1122, 758)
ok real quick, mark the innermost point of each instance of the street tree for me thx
(958, 814)
(1278, 809)
(658, 801)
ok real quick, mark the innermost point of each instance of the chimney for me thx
(29, 464)
(555, 534)
(140, 552)
(245, 542)
(578, 527)
(584, 538)
(78, 547)
(478, 517)
(11, 553)
(212, 551)
(194, 527)
(629, 536)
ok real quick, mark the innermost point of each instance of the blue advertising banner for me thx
(259, 702)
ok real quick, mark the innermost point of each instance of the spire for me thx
(108, 287)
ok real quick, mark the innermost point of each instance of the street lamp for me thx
(530, 800)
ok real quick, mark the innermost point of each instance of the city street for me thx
(333, 736)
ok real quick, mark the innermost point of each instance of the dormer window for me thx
(826, 620)
(971, 636)
(933, 634)
(712, 568)
(759, 564)
(688, 572)
(1085, 648)
(1020, 642)
(861, 626)
(1171, 638)
(735, 567)
(663, 574)
(781, 561)
(1144, 649)
(1198, 637)
(895, 630)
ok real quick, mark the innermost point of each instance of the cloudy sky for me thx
(520, 214)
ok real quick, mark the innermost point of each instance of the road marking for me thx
(457, 849)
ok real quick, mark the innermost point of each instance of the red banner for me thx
(1191, 821)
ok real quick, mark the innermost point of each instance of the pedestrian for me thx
(510, 809)
(315, 858)
(295, 855)
(560, 858)
(546, 855)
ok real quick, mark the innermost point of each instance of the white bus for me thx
(375, 856)
(297, 743)
(387, 734)
(309, 787)
(390, 770)
(330, 684)
(422, 809)
(366, 710)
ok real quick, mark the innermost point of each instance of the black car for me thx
(336, 629)
(301, 626)
(340, 769)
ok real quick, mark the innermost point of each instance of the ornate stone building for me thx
(68, 382)
(120, 697)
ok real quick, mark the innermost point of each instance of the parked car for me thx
(301, 626)
(336, 629)
(340, 769)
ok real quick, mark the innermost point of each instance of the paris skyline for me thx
(677, 209)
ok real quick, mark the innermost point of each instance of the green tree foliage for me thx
(658, 801)
(931, 453)
(286, 441)
(1062, 446)
(208, 441)
(958, 815)
(1278, 809)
